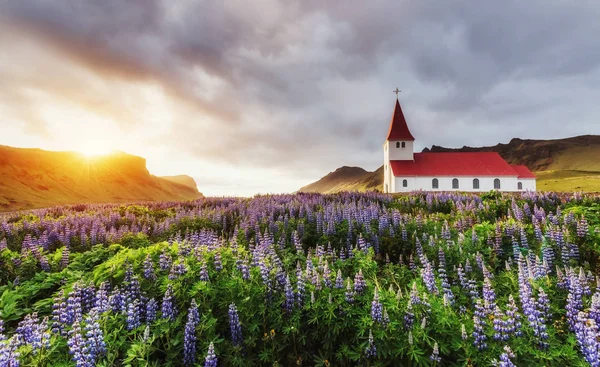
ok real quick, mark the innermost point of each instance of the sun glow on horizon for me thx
(93, 150)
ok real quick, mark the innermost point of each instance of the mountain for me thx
(35, 178)
(347, 179)
(569, 164)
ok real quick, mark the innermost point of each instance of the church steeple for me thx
(398, 127)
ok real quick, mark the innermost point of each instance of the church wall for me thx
(529, 184)
(465, 183)
(401, 154)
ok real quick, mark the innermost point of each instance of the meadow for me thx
(346, 279)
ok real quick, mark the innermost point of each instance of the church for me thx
(404, 170)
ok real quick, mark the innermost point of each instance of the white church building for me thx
(404, 170)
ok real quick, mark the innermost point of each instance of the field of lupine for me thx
(308, 280)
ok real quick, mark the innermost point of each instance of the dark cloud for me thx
(308, 83)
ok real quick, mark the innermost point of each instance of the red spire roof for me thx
(398, 127)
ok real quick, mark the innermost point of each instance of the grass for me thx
(569, 181)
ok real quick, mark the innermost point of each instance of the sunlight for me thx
(94, 150)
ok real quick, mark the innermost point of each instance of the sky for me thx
(267, 96)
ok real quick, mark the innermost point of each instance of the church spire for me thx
(398, 127)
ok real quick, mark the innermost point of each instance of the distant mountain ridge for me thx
(569, 164)
(35, 178)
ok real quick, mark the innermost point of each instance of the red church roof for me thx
(454, 164)
(398, 127)
(523, 171)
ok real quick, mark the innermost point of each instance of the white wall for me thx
(390, 152)
(529, 184)
(507, 183)
(401, 154)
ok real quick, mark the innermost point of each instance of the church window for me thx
(404, 183)
(476, 183)
(497, 184)
(520, 185)
(455, 183)
(434, 183)
(397, 144)
(403, 145)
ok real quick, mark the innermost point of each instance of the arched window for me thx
(476, 183)
(520, 185)
(404, 183)
(397, 144)
(403, 145)
(434, 183)
(497, 184)
(455, 183)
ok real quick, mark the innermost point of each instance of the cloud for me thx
(302, 87)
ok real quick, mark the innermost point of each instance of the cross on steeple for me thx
(397, 91)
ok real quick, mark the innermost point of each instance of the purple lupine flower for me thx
(513, 320)
(435, 355)
(574, 300)
(595, 307)
(582, 228)
(177, 270)
(479, 333)
(133, 315)
(73, 310)
(288, 304)
(428, 277)
(489, 296)
(32, 333)
(217, 261)
(101, 302)
(117, 301)
(59, 309)
(77, 346)
(151, 308)
(94, 337)
(505, 358)
(165, 261)
(359, 282)
(203, 275)
(149, 268)
(168, 308)
(189, 338)
(583, 281)
(300, 287)
(376, 308)
(211, 358)
(409, 316)
(371, 350)
(586, 331)
(349, 292)
(501, 330)
(242, 266)
(235, 326)
(64, 261)
(414, 295)
(339, 281)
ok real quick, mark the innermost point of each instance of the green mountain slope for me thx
(34, 178)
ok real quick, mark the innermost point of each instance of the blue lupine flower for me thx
(371, 350)
(235, 326)
(189, 338)
(211, 358)
(376, 308)
(359, 282)
(151, 308)
(168, 309)
(133, 315)
(435, 355)
(290, 299)
(94, 337)
(479, 333)
(149, 268)
(505, 358)
(349, 292)
(586, 331)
